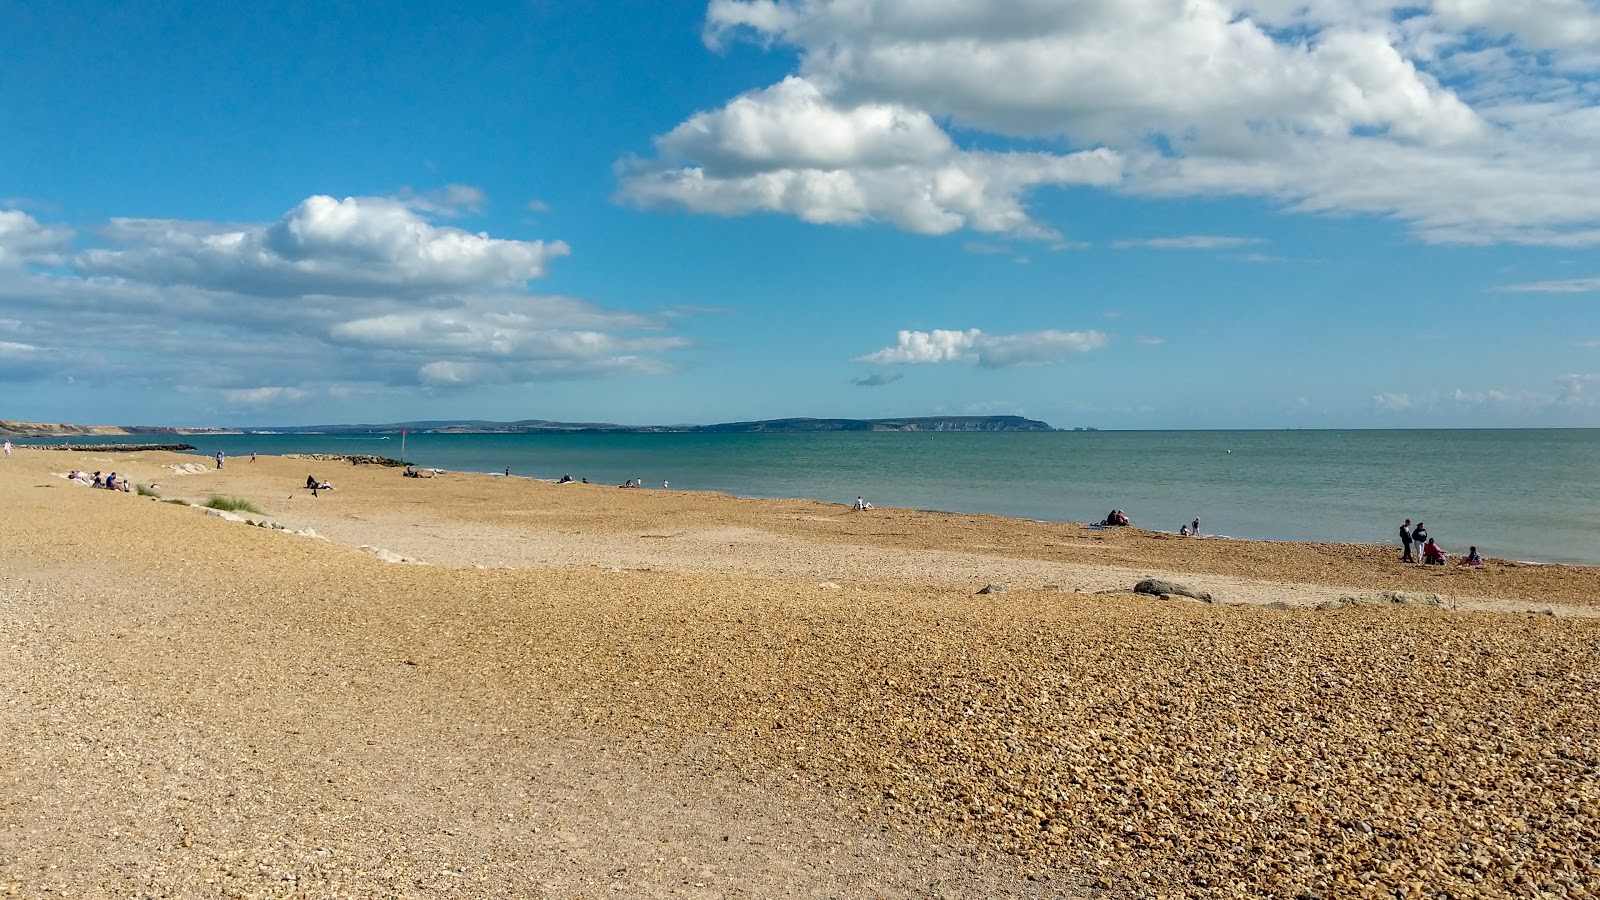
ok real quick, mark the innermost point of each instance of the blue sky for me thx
(1120, 213)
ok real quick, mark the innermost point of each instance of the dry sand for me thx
(651, 693)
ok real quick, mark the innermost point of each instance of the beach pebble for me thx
(827, 585)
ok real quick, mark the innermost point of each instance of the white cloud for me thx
(263, 396)
(1189, 242)
(450, 200)
(1473, 120)
(350, 246)
(1150, 340)
(1575, 391)
(1029, 348)
(23, 240)
(1393, 402)
(878, 378)
(790, 149)
(1563, 286)
(365, 293)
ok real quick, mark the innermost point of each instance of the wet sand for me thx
(647, 692)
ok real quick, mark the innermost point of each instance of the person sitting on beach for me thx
(565, 479)
(861, 505)
(1116, 517)
(127, 486)
(1432, 555)
(1183, 530)
(111, 482)
(1473, 557)
(98, 481)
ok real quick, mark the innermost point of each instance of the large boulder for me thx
(1157, 587)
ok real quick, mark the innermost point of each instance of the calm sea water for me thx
(1522, 494)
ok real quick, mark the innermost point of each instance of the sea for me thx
(1522, 494)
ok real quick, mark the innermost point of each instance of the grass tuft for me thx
(232, 504)
(145, 491)
(177, 501)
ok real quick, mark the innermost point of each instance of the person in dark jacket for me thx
(1405, 541)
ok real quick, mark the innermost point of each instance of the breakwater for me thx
(122, 448)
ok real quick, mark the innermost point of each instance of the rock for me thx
(1156, 586)
(992, 589)
(222, 514)
(1279, 606)
(388, 556)
(827, 585)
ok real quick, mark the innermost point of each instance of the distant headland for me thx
(542, 426)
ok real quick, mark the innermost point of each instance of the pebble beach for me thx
(479, 686)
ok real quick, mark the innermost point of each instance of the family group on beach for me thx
(109, 482)
(1432, 553)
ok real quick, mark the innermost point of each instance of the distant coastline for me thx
(542, 426)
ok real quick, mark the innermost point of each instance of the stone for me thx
(992, 589)
(1156, 586)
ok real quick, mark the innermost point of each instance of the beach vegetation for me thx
(145, 491)
(176, 500)
(232, 504)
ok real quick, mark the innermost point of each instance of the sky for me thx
(1108, 213)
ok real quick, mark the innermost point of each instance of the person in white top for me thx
(861, 504)
(8, 448)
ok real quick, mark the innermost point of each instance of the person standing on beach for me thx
(1194, 527)
(252, 456)
(220, 457)
(1419, 536)
(1405, 541)
(8, 449)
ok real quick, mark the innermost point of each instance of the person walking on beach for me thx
(8, 449)
(252, 456)
(1405, 541)
(220, 457)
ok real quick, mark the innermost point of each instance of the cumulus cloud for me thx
(23, 240)
(370, 246)
(361, 293)
(1474, 121)
(791, 149)
(1029, 348)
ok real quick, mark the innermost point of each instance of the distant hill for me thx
(56, 429)
(778, 426)
(543, 426)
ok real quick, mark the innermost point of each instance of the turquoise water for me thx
(1522, 494)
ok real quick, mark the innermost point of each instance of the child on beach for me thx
(1473, 558)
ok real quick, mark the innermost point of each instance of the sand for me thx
(653, 693)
